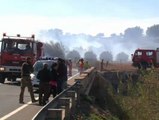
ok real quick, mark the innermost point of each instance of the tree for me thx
(90, 55)
(74, 55)
(100, 35)
(122, 57)
(107, 56)
(153, 31)
(54, 50)
(133, 33)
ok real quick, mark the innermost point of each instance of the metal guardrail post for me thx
(73, 95)
(67, 104)
(78, 87)
(55, 114)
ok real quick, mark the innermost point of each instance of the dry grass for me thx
(119, 67)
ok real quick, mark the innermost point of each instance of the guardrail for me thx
(65, 102)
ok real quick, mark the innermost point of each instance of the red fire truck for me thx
(14, 51)
(145, 58)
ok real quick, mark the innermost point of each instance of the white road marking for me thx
(15, 111)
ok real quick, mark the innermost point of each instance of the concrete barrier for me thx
(65, 102)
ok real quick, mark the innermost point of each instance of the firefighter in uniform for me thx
(27, 69)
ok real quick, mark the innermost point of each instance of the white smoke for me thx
(98, 43)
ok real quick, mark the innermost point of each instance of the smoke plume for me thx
(131, 39)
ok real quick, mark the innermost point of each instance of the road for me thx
(10, 109)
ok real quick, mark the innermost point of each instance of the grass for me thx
(142, 102)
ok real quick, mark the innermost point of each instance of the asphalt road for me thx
(10, 109)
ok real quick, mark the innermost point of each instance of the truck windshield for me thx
(149, 53)
(17, 46)
(24, 46)
(138, 53)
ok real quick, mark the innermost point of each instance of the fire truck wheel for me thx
(144, 65)
(2, 79)
(139, 66)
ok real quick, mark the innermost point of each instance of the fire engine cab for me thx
(145, 58)
(14, 51)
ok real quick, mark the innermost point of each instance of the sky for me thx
(76, 16)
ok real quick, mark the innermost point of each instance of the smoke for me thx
(98, 43)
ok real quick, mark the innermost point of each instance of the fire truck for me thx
(14, 51)
(145, 58)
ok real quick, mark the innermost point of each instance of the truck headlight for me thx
(2, 69)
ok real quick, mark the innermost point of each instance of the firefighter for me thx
(70, 67)
(81, 65)
(27, 69)
(102, 64)
(9, 47)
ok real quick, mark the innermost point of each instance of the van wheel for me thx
(14, 79)
(2, 79)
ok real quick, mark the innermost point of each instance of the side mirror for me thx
(132, 55)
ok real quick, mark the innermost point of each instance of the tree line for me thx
(67, 45)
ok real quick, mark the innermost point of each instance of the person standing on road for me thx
(26, 70)
(62, 75)
(81, 65)
(44, 87)
(69, 63)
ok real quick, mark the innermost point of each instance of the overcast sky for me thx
(77, 16)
